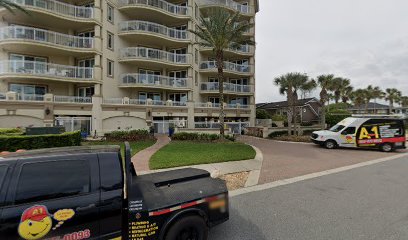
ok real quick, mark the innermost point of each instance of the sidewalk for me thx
(252, 166)
(141, 159)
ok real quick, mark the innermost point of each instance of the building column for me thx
(97, 116)
(190, 118)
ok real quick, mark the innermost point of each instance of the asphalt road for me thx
(364, 203)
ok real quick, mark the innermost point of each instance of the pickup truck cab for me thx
(92, 193)
(386, 134)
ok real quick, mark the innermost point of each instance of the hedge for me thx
(14, 142)
(203, 137)
(333, 119)
(11, 131)
(278, 134)
(281, 118)
(132, 135)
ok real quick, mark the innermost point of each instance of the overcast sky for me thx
(364, 40)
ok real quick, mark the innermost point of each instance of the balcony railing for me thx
(159, 4)
(229, 66)
(242, 49)
(228, 87)
(142, 26)
(134, 79)
(45, 69)
(30, 97)
(228, 3)
(143, 102)
(154, 54)
(58, 7)
(40, 35)
(72, 99)
(217, 105)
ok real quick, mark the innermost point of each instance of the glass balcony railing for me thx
(149, 27)
(58, 8)
(242, 8)
(72, 99)
(135, 79)
(229, 66)
(45, 69)
(158, 4)
(246, 49)
(228, 87)
(40, 35)
(154, 54)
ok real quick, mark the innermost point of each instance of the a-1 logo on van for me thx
(364, 134)
(36, 222)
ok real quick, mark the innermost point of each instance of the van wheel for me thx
(330, 144)
(188, 228)
(387, 147)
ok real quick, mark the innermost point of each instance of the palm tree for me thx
(307, 88)
(404, 101)
(358, 97)
(325, 82)
(220, 31)
(345, 94)
(376, 93)
(290, 84)
(392, 95)
(11, 6)
(339, 87)
(371, 93)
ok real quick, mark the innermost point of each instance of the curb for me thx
(253, 177)
(311, 176)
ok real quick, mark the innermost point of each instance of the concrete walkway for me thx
(141, 159)
(253, 166)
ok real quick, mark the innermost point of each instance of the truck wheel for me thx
(188, 228)
(330, 144)
(387, 147)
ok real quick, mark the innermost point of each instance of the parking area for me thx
(284, 160)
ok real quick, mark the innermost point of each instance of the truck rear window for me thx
(41, 181)
(3, 171)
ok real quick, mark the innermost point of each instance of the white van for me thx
(386, 134)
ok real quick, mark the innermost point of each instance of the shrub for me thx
(14, 142)
(204, 137)
(333, 119)
(132, 135)
(11, 131)
(262, 114)
(308, 132)
(278, 134)
(279, 118)
(306, 124)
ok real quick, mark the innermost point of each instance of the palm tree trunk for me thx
(323, 116)
(390, 108)
(290, 110)
(220, 66)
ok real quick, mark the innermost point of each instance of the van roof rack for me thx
(392, 116)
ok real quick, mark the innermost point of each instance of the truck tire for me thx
(330, 144)
(387, 147)
(188, 228)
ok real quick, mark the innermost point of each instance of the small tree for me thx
(262, 114)
(222, 30)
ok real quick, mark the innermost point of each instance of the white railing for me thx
(58, 7)
(241, 49)
(40, 35)
(131, 79)
(72, 99)
(143, 26)
(113, 101)
(229, 66)
(138, 101)
(228, 87)
(154, 54)
(160, 4)
(207, 105)
(30, 97)
(228, 3)
(179, 104)
(45, 69)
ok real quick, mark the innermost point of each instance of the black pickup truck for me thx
(92, 193)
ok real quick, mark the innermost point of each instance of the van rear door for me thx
(53, 197)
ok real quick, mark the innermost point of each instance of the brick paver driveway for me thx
(284, 160)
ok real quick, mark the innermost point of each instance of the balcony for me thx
(149, 9)
(243, 50)
(211, 87)
(229, 4)
(153, 33)
(229, 67)
(43, 70)
(153, 57)
(152, 81)
(58, 13)
(72, 99)
(38, 41)
(143, 102)
(13, 96)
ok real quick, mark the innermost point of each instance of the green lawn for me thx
(179, 153)
(135, 146)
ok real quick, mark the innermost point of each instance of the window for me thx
(242, 101)
(57, 179)
(111, 175)
(178, 97)
(349, 131)
(28, 92)
(110, 15)
(109, 42)
(86, 91)
(178, 74)
(196, 78)
(3, 171)
(214, 100)
(110, 68)
(196, 56)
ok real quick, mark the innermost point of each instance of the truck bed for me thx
(167, 189)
